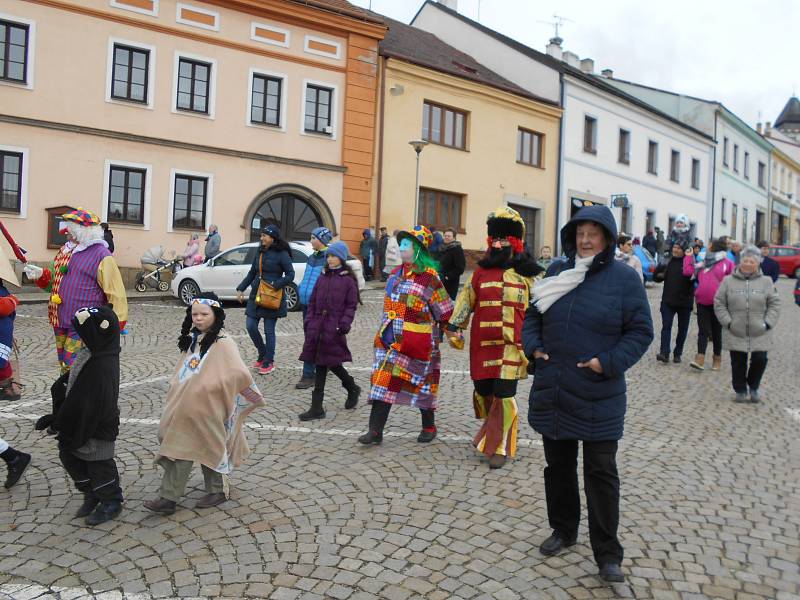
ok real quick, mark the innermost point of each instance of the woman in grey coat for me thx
(747, 306)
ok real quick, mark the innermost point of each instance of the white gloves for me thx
(32, 271)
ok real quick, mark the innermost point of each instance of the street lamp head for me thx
(418, 145)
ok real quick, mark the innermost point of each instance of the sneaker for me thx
(104, 511)
(741, 398)
(258, 364)
(304, 383)
(16, 468)
(664, 358)
(266, 370)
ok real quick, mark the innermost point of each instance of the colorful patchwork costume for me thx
(84, 274)
(498, 293)
(407, 358)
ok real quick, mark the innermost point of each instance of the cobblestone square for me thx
(710, 489)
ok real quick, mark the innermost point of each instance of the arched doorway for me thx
(295, 215)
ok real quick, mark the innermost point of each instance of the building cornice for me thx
(143, 139)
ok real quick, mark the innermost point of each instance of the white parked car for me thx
(226, 270)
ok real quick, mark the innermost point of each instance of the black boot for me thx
(104, 511)
(371, 437)
(16, 466)
(353, 392)
(89, 504)
(316, 411)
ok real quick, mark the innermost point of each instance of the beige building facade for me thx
(488, 144)
(165, 117)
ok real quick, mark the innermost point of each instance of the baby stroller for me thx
(153, 265)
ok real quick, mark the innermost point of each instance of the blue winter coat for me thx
(314, 266)
(607, 316)
(278, 271)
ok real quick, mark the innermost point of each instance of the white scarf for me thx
(550, 289)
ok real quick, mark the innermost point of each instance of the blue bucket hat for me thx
(323, 234)
(339, 250)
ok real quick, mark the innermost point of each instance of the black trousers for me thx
(668, 313)
(380, 414)
(501, 388)
(95, 478)
(708, 327)
(601, 483)
(743, 377)
(321, 375)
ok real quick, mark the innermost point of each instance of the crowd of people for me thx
(576, 322)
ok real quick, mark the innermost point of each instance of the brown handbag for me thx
(267, 296)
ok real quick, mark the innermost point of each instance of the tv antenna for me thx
(558, 21)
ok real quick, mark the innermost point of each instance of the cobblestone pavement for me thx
(710, 490)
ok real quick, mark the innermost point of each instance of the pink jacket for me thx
(709, 280)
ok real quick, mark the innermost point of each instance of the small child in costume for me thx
(86, 414)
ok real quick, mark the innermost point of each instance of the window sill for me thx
(318, 135)
(10, 212)
(627, 163)
(653, 173)
(127, 225)
(186, 228)
(674, 180)
(590, 151)
(524, 164)
(131, 103)
(192, 113)
(21, 85)
(464, 149)
(281, 128)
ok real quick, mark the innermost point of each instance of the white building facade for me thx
(742, 163)
(615, 148)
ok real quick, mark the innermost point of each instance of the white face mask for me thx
(408, 252)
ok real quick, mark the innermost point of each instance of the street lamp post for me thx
(418, 145)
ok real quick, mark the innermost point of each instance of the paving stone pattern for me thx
(710, 489)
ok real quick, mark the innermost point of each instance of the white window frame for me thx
(334, 109)
(204, 11)
(321, 40)
(209, 196)
(284, 97)
(148, 182)
(256, 38)
(212, 85)
(30, 59)
(141, 11)
(23, 193)
(151, 73)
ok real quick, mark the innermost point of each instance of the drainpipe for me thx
(556, 239)
(382, 117)
(714, 176)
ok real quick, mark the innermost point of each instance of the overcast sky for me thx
(744, 53)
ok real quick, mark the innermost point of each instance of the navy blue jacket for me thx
(277, 270)
(770, 268)
(607, 316)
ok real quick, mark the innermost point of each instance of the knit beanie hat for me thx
(323, 234)
(340, 250)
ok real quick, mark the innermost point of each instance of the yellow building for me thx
(489, 142)
(167, 116)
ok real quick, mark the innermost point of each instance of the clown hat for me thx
(505, 222)
(81, 216)
(419, 233)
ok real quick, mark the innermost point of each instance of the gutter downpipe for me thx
(714, 177)
(559, 174)
(382, 116)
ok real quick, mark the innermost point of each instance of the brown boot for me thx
(717, 365)
(698, 362)
(210, 500)
(162, 506)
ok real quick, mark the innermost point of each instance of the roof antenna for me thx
(558, 21)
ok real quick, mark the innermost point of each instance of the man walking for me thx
(383, 242)
(368, 252)
(769, 266)
(451, 263)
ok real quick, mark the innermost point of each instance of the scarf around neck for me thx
(550, 289)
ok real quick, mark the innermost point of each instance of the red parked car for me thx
(788, 257)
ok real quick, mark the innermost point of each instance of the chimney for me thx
(587, 66)
(554, 48)
(758, 127)
(572, 59)
(607, 73)
(451, 4)
(768, 127)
